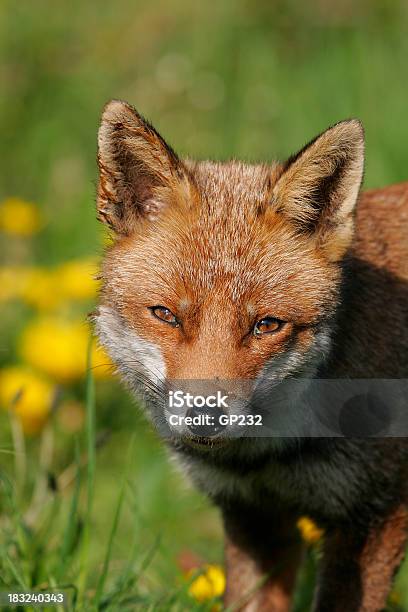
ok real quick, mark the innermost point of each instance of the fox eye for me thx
(268, 325)
(164, 314)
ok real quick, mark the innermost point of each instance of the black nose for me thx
(207, 422)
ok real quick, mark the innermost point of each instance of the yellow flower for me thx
(76, 279)
(47, 289)
(36, 286)
(209, 584)
(40, 289)
(309, 530)
(28, 394)
(58, 348)
(19, 217)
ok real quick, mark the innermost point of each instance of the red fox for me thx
(233, 271)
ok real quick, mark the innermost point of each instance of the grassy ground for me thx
(232, 79)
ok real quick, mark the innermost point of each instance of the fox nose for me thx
(207, 422)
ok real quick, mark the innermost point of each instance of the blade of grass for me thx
(90, 431)
(131, 576)
(19, 533)
(104, 573)
(69, 533)
(125, 581)
(90, 414)
(40, 551)
(20, 458)
(15, 573)
(41, 491)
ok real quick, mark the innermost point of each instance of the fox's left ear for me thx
(139, 174)
(319, 186)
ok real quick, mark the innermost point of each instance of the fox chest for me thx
(320, 489)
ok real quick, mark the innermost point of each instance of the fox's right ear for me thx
(139, 174)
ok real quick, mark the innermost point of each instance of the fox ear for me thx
(139, 173)
(319, 186)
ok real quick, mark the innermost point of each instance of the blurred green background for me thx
(252, 80)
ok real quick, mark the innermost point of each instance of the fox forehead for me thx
(225, 241)
(234, 184)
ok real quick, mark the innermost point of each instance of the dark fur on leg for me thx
(357, 569)
(263, 552)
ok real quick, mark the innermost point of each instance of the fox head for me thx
(221, 271)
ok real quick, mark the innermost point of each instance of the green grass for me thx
(232, 79)
(50, 542)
